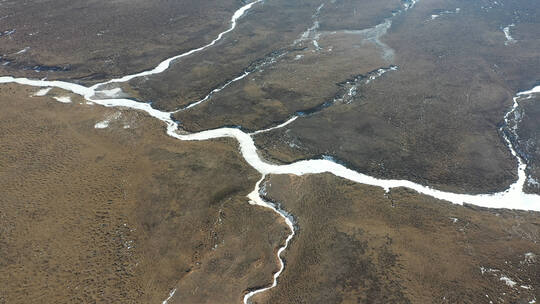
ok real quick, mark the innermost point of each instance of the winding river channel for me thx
(512, 198)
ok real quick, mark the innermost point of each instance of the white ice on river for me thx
(164, 65)
(512, 198)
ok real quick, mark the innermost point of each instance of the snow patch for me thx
(105, 123)
(508, 281)
(435, 16)
(311, 32)
(63, 99)
(532, 182)
(42, 92)
(487, 270)
(509, 38)
(530, 258)
(23, 50)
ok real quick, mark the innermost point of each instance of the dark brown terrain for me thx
(434, 120)
(97, 40)
(99, 205)
(266, 33)
(304, 76)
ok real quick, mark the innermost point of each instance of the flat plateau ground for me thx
(123, 213)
